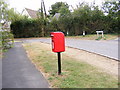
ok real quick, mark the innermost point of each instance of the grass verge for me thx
(94, 37)
(75, 74)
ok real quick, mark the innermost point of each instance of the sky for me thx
(19, 5)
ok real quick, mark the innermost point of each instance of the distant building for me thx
(5, 25)
(56, 16)
(30, 13)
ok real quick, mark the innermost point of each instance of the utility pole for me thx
(43, 16)
(94, 2)
(43, 10)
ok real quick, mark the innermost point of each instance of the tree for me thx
(3, 10)
(96, 19)
(7, 14)
(56, 7)
(87, 18)
(13, 15)
(65, 20)
(112, 9)
(61, 23)
(81, 17)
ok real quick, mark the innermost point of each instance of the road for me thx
(105, 48)
(19, 72)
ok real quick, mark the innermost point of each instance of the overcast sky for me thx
(19, 5)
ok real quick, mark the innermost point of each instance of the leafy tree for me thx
(5, 36)
(56, 7)
(65, 22)
(81, 18)
(3, 10)
(87, 18)
(96, 19)
(7, 14)
(54, 24)
(14, 16)
(112, 9)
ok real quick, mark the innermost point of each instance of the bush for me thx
(7, 40)
(26, 28)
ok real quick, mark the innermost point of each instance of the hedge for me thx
(26, 28)
(6, 39)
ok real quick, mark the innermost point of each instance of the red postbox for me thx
(58, 42)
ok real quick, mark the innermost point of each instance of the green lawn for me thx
(94, 37)
(75, 74)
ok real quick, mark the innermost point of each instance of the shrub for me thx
(7, 39)
(26, 28)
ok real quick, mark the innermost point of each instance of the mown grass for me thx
(94, 37)
(75, 74)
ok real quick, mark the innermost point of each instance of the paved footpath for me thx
(19, 72)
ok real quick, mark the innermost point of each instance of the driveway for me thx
(105, 48)
(19, 72)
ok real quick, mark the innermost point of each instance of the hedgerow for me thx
(6, 39)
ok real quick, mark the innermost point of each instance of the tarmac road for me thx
(19, 72)
(105, 48)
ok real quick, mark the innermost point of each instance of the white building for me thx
(30, 13)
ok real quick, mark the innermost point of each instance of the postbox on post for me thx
(58, 45)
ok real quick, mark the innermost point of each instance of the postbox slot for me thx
(52, 35)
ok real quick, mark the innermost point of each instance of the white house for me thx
(30, 13)
(57, 15)
(5, 25)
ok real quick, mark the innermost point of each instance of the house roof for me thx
(57, 15)
(32, 13)
(6, 24)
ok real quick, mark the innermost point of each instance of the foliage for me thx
(56, 7)
(8, 14)
(26, 28)
(3, 10)
(13, 16)
(7, 40)
(99, 38)
(83, 18)
(112, 9)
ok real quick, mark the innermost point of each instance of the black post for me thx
(59, 63)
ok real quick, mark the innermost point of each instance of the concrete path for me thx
(105, 48)
(19, 72)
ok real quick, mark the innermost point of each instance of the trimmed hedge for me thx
(40, 27)
(26, 28)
